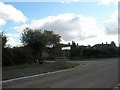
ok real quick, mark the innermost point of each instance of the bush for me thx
(17, 56)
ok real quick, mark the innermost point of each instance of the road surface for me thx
(89, 74)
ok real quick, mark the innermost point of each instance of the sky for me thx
(86, 23)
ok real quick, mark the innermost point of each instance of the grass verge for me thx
(72, 64)
(21, 66)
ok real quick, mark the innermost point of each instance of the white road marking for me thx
(10, 80)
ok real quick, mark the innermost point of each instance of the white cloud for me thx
(13, 35)
(2, 22)
(84, 30)
(13, 42)
(8, 12)
(69, 1)
(13, 39)
(111, 25)
(20, 28)
(68, 25)
(107, 2)
(110, 28)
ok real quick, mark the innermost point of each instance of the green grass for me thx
(71, 64)
(21, 66)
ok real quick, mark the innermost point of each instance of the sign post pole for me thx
(66, 51)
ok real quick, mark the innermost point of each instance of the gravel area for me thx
(48, 67)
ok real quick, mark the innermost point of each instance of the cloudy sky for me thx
(86, 23)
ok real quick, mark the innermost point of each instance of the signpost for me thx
(64, 49)
(61, 61)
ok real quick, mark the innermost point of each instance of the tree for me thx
(3, 40)
(119, 51)
(113, 44)
(38, 40)
(75, 50)
(52, 38)
(7, 59)
(34, 39)
(22, 55)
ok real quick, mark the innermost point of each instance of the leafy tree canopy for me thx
(38, 39)
(3, 39)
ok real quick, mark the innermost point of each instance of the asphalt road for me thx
(90, 74)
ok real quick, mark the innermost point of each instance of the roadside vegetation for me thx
(21, 66)
(35, 44)
(72, 64)
(39, 45)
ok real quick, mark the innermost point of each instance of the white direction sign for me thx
(66, 48)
